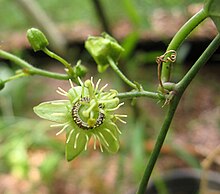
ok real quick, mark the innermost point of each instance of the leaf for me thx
(212, 8)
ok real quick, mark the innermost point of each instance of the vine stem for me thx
(120, 74)
(134, 94)
(180, 88)
(58, 58)
(180, 36)
(29, 69)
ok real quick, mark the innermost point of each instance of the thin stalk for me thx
(180, 36)
(16, 76)
(180, 88)
(159, 143)
(29, 69)
(58, 58)
(134, 94)
(120, 74)
(60, 76)
(15, 59)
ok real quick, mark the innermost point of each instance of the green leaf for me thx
(212, 8)
(56, 111)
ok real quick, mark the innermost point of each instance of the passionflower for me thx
(87, 113)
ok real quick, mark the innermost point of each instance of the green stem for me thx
(58, 58)
(29, 69)
(134, 94)
(15, 77)
(60, 76)
(159, 143)
(180, 88)
(120, 74)
(15, 59)
(180, 36)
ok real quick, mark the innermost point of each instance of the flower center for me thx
(94, 120)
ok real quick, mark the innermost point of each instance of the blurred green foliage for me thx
(67, 11)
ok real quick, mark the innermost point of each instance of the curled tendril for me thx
(168, 56)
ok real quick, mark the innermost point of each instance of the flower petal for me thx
(108, 136)
(76, 143)
(54, 110)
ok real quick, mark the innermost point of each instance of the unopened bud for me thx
(37, 39)
(80, 70)
(101, 47)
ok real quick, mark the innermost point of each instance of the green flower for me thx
(88, 113)
(102, 47)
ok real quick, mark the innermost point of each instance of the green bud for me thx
(80, 70)
(2, 84)
(101, 47)
(37, 39)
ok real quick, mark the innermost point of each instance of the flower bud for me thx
(37, 39)
(80, 70)
(102, 47)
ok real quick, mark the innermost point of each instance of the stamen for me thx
(69, 136)
(92, 82)
(63, 129)
(121, 120)
(111, 133)
(117, 107)
(103, 88)
(75, 143)
(60, 89)
(57, 125)
(80, 81)
(71, 83)
(116, 127)
(123, 116)
(95, 140)
(97, 85)
(87, 141)
(100, 145)
(104, 139)
(61, 93)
